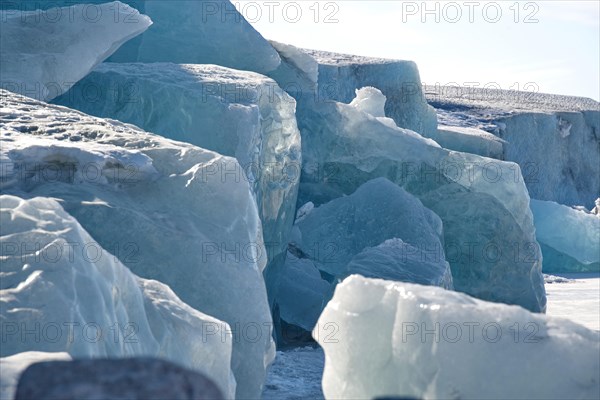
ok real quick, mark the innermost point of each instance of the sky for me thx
(545, 46)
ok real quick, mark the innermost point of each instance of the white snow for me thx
(298, 59)
(66, 293)
(44, 53)
(400, 339)
(577, 299)
(187, 225)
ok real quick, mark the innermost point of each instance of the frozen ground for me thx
(578, 300)
(296, 374)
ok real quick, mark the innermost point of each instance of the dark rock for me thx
(112, 379)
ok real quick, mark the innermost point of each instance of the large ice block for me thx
(63, 292)
(393, 339)
(163, 205)
(44, 52)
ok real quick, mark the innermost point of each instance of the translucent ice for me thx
(192, 32)
(394, 339)
(179, 222)
(489, 236)
(469, 140)
(570, 238)
(43, 53)
(341, 74)
(236, 113)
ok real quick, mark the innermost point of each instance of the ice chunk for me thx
(13, 366)
(384, 339)
(537, 127)
(194, 230)
(43, 53)
(469, 140)
(483, 203)
(341, 74)
(78, 298)
(236, 113)
(370, 100)
(191, 32)
(303, 293)
(334, 233)
(397, 260)
(570, 239)
(300, 60)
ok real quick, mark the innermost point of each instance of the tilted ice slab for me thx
(62, 292)
(43, 53)
(483, 203)
(380, 230)
(235, 113)
(469, 140)
(379, 210)
(159, 205)
(13, 366)
(537, 127)
(192, 32)
(570, 239)
(303, 293)
(341, 74)
(385, 338)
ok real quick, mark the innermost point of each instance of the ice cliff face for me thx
(163, 205)
(555, 139)
(42, 55)
(393, 339)
(236, 113)
(70, 293)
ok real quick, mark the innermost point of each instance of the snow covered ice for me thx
(536, 127)
(126, 188)
(400, 339)
(43, 57)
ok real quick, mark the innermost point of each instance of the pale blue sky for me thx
(558, 49)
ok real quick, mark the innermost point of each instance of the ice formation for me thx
(235, 113)
(332, 234)
(569, 238)
(341, 74)
(74, 296)
(469, 140)
(343, 147)
(302, 293)
(43, 53)
(536, 127)
(192, 32)
(394, 339)
(157, 202)
(13, 366)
